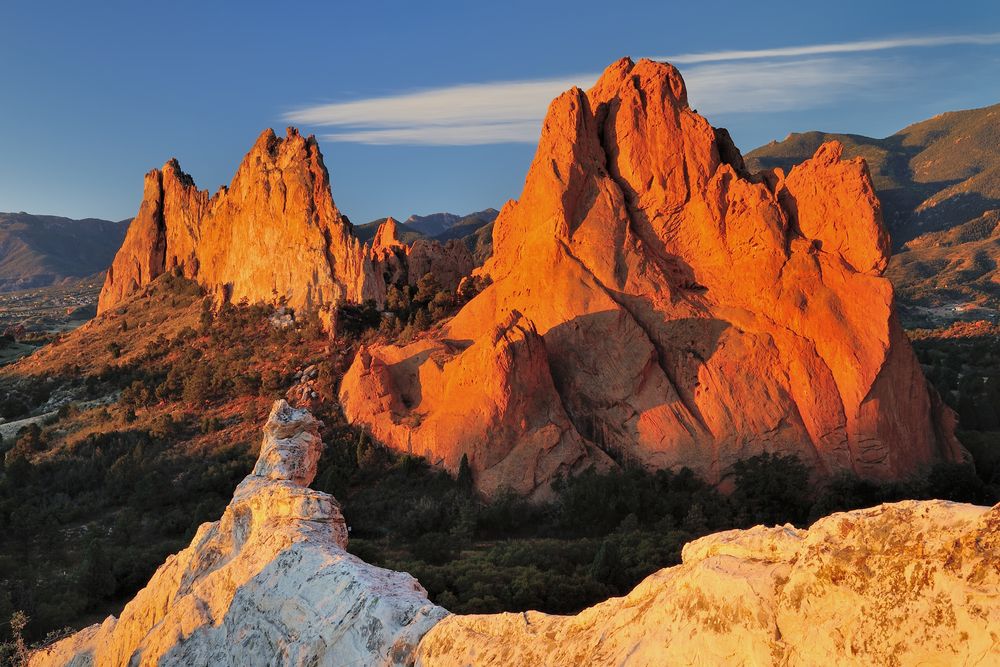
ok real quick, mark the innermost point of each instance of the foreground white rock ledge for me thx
(268, 584)
(912, 583)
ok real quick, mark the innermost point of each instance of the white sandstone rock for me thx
(268, 584)
(912, 583)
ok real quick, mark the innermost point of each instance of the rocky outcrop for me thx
(911, 583)
(406, 264)
(273, 234)
(519, 435)
(269, 583)
(914, 583)
(687, 313)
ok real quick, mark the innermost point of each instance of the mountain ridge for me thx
(43, 250)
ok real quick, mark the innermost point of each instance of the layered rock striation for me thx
(653, 302)
(269, 583)
(273, 235)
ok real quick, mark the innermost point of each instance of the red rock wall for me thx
(690, 314)
(273, 234)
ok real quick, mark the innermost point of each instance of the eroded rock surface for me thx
(269, 583)
(406, 264)
(913, 583)
(686, 313)
(274, 234)
(906, 584)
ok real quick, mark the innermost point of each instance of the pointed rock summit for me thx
(386, 238)
(273, 235)
(672, 309)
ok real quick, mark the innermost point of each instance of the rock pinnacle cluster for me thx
(273, 235)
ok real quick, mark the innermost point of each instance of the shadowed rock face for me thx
(269, 583)
(273, 233)
(686, 313)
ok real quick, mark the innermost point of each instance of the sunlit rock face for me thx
(270, 583)
(913, 583)
(404, 264)
(671, 310)
(273, 235)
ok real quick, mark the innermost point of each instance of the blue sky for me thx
(423, 107)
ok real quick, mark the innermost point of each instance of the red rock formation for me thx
(274, 232)
(687, 313)
(406, 264)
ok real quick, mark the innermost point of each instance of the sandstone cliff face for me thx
(914, 583)
(273, 234)
(688, 313)
(269, 583)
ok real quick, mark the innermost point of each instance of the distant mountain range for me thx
(939, 183)
(43, 250)
(440, 226)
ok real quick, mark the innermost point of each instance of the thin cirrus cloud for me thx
(475, 113)
(778, 79)
(838, 47)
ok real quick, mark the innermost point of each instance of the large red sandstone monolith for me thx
(671, 309)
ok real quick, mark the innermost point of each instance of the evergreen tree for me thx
(606, 562)
(464, 479)
(96, 578)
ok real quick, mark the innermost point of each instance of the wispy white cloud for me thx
(468, 134)
(740, 87)
(781, 79)
(478, 113)
(836, 47)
